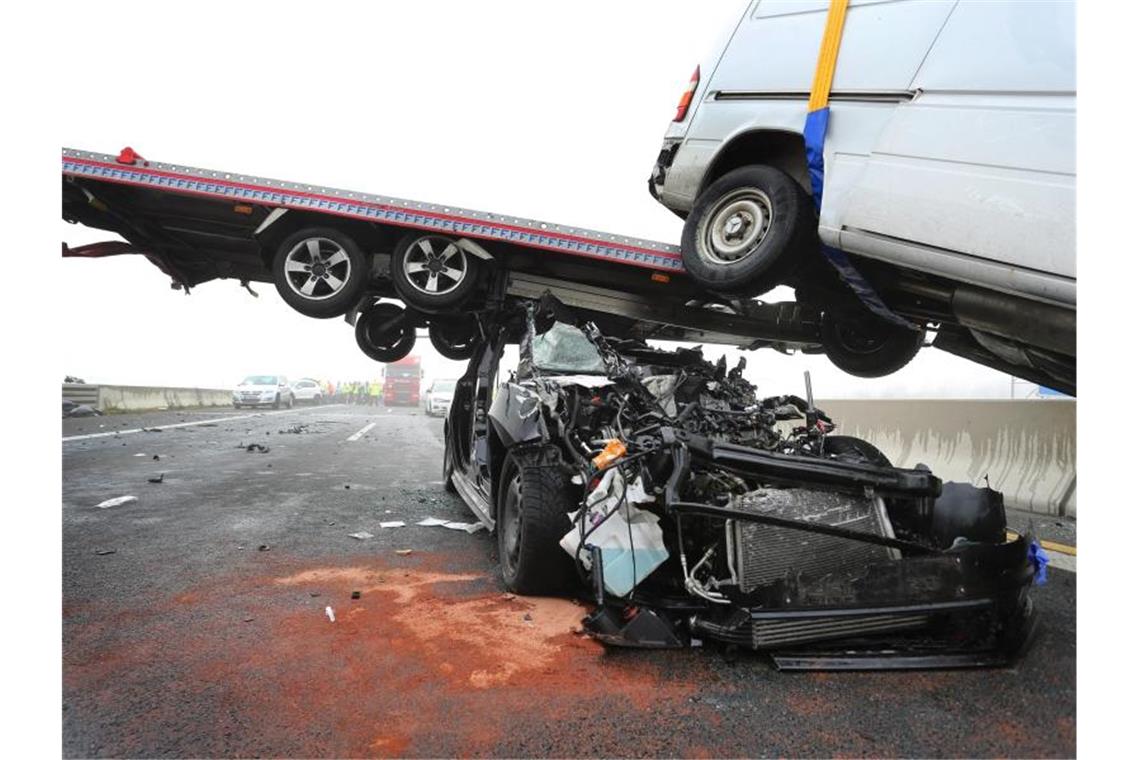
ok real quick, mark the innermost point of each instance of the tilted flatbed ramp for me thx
(199, 224)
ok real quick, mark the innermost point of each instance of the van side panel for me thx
(982, 163)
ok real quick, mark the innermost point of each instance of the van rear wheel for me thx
(867, 346)
(748, 231)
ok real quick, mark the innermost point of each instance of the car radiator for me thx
(767, 553)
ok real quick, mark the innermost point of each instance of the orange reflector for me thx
(243, 209)
(687, 96)
(613, 451)
(659, 277)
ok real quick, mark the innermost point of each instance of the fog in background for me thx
(440, 102)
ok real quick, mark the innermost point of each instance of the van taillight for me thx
(687, 95)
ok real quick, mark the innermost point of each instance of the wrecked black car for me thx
(689, 510)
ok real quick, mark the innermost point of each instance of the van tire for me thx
(325, 302)
(748, 231)
(531, 517)
(419, 249)
(867, 346)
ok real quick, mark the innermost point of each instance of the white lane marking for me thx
(356, 436)
(210, 421)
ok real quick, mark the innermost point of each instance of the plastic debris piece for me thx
(247, 620)
(403, 552)
(1040, 561)
(362, 535)
(431, 522)
(355, 594)
(263, 548)
(474, 527)
(393, 524)
(118, 501)
(140, 454)
(331, 614)
(105, 552)
(161, 475)
(613, 451)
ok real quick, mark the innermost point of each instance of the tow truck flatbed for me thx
(199, 225)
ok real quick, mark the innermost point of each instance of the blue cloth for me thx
(1040, 560)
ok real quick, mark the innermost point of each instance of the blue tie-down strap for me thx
(815, 131)
(1040, 560)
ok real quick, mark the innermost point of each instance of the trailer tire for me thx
(432, 273)
(531, 510)
(454, 339)
(748, 231)
(868, 347)
(383, 332)
(326, 262)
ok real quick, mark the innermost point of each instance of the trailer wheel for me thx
(531, 518)
(431, 273)
(320, 272)
(384, 333)
(454, 339)
(868, 347)
(748, 230)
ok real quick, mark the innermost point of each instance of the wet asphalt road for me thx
(182, 638)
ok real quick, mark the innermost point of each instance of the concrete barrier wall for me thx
(1027, 448)
(133, 398)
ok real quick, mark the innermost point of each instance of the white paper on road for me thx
(363, 534)
(393, 524)
(116, 502)
(435, 522)
(329, 612)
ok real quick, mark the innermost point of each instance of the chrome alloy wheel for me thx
(317, 268)
(435, 265)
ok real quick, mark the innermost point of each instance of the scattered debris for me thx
(508, 597)
(403, 552)
(161, 475)
(156, 457)
(72, 409)
(355, 594)
(347, 486)
(263, 548)
(435, 522)
(105, 552)
(140, 454)
(331, 614)
(314, 594)
(152, 430)
(259, 448)
(393, 524)
(247, 620)
(294, 430)
(116, 502)
(527, 617)
(362, 535)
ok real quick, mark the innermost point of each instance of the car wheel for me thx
(277, 401)
(533, 503)
(851, 449)
(454, 339)
(383, 332)
(320, 272)
(748, 230)
(432, 273)
(867, 346)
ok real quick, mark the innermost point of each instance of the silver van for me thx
(949, 177)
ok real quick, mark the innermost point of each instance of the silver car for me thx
(437, 398)
(264, 390)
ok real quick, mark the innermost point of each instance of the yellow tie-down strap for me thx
(828, 55)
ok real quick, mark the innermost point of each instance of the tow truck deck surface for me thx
(199, 224)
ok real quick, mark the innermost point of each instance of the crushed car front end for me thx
(699, 512)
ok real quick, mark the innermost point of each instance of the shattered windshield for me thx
(565, 348)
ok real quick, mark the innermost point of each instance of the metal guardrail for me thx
(81, 393)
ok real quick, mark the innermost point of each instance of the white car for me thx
(948, 175)
(264, 390)
(308, 390)
(437, 398)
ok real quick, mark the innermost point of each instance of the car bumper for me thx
(677, 174)
(255, 402)
(436, 408)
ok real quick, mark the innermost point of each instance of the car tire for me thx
(851, 449)
(277, 401)
(454, 339)
(532, 507)
(868, 346)
(432, 273)
(383, 332)
(326, 262)
(748, 231)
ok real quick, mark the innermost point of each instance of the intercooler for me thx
(766, 553)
